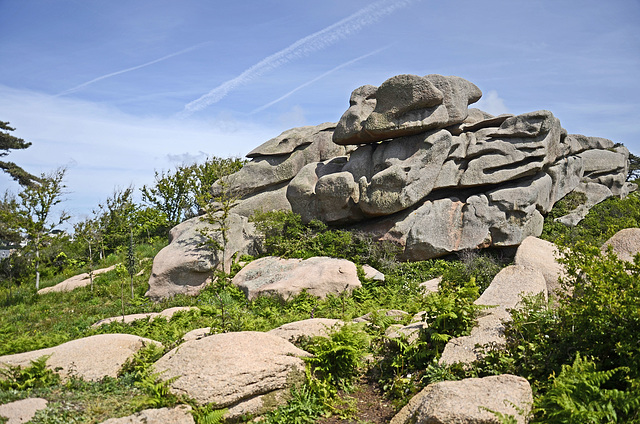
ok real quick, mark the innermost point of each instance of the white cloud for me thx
(491, 103)
(104, 147)
(303, 47)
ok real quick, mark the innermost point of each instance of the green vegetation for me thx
(580, 351)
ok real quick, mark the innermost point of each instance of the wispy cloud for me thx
(330, 71)
(311, 43)
(133, 68)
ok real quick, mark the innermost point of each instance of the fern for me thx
(577, 395)
(208, 414)
(34, 376)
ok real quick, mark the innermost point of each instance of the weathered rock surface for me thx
(409, 162)
(178, 415)
(128, 319)
(285, 278)
(197, 334)
(406, 105)
(80, 280)
(21, 411)
(90, 358)
(625, 243)
(247, 372)
(504, 293)
(280, 159)
(185, 265)
(468, 401)
(372, 274)
(307, 328)
(541, 255)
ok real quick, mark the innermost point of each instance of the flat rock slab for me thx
(247, 372)
(285, 278)
(90, 358)
(465, 401)
(181, 414)
(625, 243)
(21, 411)
(510, 284)
(128, 319)
(504, 293)
(306, 328)
(80, 280)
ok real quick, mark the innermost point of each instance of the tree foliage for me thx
(181, 194)
(36, 213)
(9, 142)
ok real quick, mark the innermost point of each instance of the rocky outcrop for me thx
(22, 411)
(90, 358)
(181, 414)
(469, 401)
(409, 162)
(246, 372)
(285, 278)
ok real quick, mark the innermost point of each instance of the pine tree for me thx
(9, 142)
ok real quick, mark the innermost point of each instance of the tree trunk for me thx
(38, 262)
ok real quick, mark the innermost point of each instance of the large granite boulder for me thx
(90, 358)
(409, 162)
(405, 105)
(246, 372)
(285, 278)
(186, 265)
(469, 401)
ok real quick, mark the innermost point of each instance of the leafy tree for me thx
(183, 193)
(36, 212)
(171, 194)
(9, 142)
(9, 214)
(116, 217)
(87, 231)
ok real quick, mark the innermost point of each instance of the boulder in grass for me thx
(286, 278)
(469, 401)
(80, 280)
(625, 243)
(90, 358)
(246, 372)
(504, 293)
(307, 328)
(181, 414)
(22, 411)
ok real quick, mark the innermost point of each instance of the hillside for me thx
(417, 261)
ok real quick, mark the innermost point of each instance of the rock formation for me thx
(411, 163)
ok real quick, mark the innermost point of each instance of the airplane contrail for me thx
(330, 71)
(133, 68)
(314, 42)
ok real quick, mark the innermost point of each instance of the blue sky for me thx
(115, 89)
